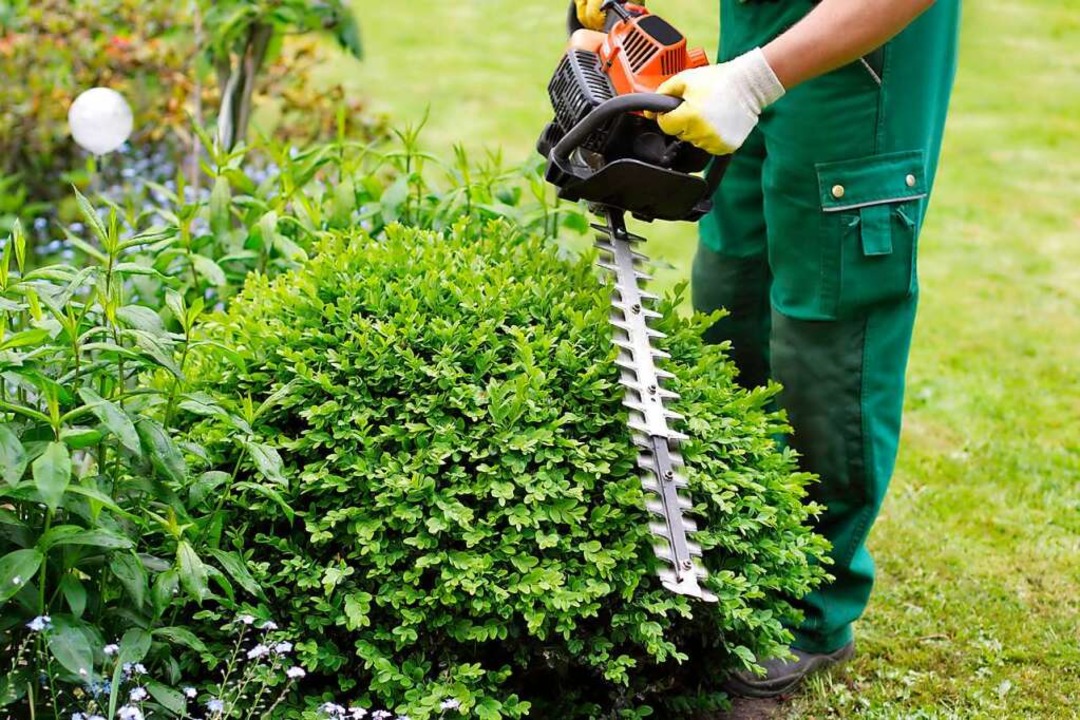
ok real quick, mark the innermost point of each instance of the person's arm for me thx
(836, 33)
(721, 103)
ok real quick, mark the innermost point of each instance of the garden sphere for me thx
(100, 120)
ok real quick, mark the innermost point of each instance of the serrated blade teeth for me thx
(649, 416)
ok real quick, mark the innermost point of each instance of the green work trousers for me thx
(811, 247)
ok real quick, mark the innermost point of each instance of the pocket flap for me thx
(874, 180)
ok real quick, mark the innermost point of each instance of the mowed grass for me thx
(977, 610)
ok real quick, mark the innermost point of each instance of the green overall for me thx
(811, 247)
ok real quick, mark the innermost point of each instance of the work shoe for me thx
(781, 675)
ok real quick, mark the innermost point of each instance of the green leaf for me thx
(192, 571)
(267, 461)
(269, 493)
(97, 496)
(115, 419)
(205, 485)
(220, 199)
(163, 453)
(74, 593)
(181, 636)
(16, 570)
(12, 456)
(78, 438)
(71, 648)
(129, 570)
(165, 587)
(91, 217)
(34, 336)
(237, 570)
(52, 474)
(209, 270)
(101, 538)
(172, 700)
(134, 646)
(141, 318)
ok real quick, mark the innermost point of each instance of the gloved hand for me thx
(589, 13)
(721, 103)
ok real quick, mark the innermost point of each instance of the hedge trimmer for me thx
(601, 148)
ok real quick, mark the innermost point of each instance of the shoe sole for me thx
(765, 689)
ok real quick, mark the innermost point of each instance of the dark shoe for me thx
(781, 676)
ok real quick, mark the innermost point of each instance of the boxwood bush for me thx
(458, 515)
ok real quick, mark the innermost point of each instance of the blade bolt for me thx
(652, 389)
(669, 475)
(687, 564)
(636, 308)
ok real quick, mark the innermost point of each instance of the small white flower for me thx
(130, 712)
(140, 669)
(269, 625)
(16, 580)
(450, 704)
(258, 651)
(111, 649)
(380, 715)
(190, 693)
(357, 713)
(283, 648)
(82, 672)
(403, 717)
(333, 710)
(95, 717)
(215, 705)
(247, 619)
(138, 694)
(295, 672)
(41, 622)
(78, 716)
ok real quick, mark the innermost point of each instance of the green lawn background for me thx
(978, 546)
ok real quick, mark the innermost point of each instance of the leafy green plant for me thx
(456, 513)
(94, 541)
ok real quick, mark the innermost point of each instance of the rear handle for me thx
(634, 102)
(604, 112)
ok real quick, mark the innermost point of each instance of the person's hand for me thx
(589, 14)
(721, 103)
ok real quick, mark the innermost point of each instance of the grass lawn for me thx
(977, 611)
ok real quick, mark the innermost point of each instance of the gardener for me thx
(836, 110)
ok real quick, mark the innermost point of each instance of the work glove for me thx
(721, 103)
(589, 14)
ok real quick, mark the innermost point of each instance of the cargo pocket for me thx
(871, 209)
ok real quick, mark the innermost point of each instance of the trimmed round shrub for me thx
(469, 524)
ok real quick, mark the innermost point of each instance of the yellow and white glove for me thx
(589, 13)
(721, 103)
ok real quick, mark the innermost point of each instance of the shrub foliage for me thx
(458, 515)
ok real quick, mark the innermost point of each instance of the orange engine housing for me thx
(641, 52)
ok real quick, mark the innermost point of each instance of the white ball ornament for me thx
(100, 120)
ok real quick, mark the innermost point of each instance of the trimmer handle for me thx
(607, 111)
(619, 105)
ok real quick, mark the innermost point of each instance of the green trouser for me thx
(811, 247)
